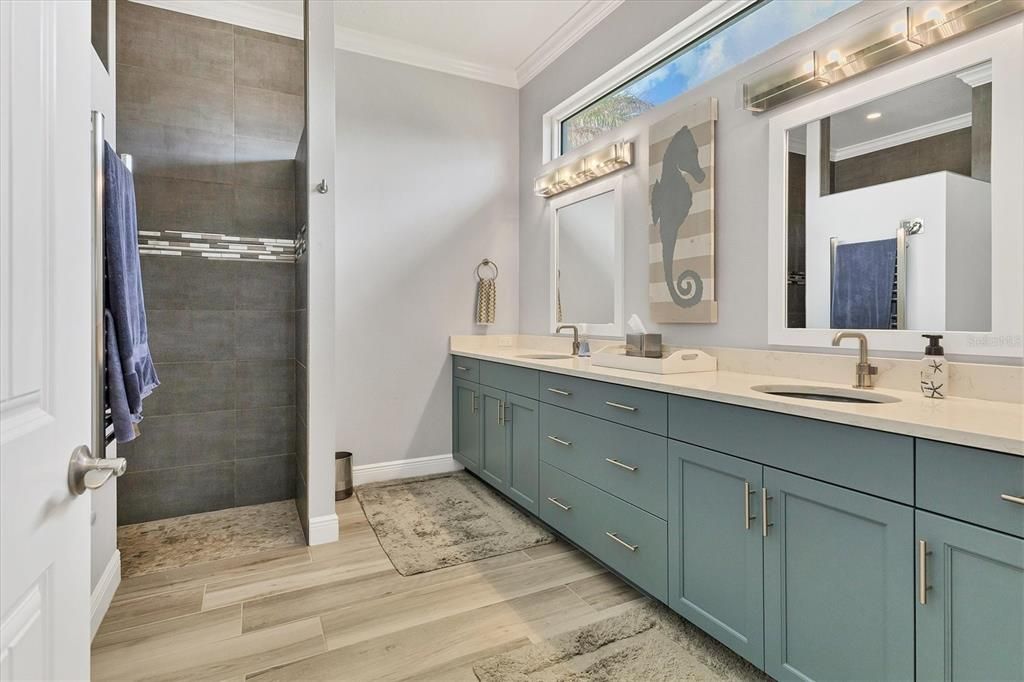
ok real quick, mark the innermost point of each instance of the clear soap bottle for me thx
(934, 370)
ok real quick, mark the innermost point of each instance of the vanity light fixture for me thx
(590, 167)
(885, 37)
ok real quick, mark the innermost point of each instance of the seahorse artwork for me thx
(682, 226)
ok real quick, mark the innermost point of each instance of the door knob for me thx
(83, 464)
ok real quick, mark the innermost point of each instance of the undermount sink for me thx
(824, 393)
(544, 356)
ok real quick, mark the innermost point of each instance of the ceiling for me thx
(501, 41)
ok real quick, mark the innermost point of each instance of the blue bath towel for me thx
(130, 372)
(862, 282)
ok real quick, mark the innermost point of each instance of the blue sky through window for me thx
(752, 32)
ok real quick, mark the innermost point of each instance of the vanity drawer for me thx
(465, 368)
(967, 484)
(640, 475)
(629, 540)
(518, 380)
(645, 410)
(874, 462)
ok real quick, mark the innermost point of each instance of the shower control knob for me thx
(322, 186)
(86, 472)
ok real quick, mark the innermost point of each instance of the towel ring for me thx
(483, 263)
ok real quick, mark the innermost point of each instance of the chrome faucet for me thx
(865, 370)
(575, 336)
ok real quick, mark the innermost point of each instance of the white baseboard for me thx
(404, 468)
(101, 597)
(323, 529)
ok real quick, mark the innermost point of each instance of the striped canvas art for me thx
(682, 219)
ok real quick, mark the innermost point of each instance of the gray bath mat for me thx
(431, 522)
(648, 643)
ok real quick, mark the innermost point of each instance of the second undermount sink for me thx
(825, 393)
(544, 356)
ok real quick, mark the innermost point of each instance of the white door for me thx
(45, 325)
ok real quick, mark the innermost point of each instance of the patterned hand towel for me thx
(486, 301)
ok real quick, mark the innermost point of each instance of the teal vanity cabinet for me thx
(494, 443)
(466, 423)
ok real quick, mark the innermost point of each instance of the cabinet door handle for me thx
(615, 536)
(473, 407)
(922, 571)
(501, 412)
(747, 492)
(566, 443)
(461, 368)
(1012, 498)
(764, 512)
(563, 507)
(559, 391)
(620, 464)
(609, 403)
(505, 412)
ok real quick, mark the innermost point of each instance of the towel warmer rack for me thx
(899, 318)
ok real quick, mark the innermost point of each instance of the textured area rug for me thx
(430, 522)
(648, 643)
(197, 538)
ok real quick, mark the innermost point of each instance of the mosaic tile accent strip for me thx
(215, 245)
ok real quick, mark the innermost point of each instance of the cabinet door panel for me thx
(493, 444)
(838, 574)
(716, 575)
(466, 431)
(523, 456)
(971, 626)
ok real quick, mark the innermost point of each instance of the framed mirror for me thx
(896, 205)
(587, 259)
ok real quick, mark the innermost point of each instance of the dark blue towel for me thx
(862, 282)
(130, 372)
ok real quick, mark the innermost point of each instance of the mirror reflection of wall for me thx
(585, 277)
(889, 211)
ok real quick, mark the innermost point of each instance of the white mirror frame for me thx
(1005, 48)
(592, 189)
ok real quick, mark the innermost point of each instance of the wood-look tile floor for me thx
(342, 612)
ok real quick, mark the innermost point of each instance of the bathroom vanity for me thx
(814, 548)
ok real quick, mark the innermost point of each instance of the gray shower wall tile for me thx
(302, 282)
(264, 163)
(263, 335)
(268, 114)
(190, 387)
(264, 212)
(189, 283)
(269, 65)
(301, 394)
(146, 37)
(301, 337)
(189, 205)
(264, 479)
(166, 151)
(265, 383)
(173, 441)
(191, 335)
(265, 286)
(265, 431)
(163, 493)
(173, 99)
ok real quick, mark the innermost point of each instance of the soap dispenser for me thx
(934, 370)
(583, 358)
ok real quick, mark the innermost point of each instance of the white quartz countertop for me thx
(985, 424)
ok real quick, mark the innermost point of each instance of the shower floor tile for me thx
(198, 538)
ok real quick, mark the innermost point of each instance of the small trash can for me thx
(342, 475)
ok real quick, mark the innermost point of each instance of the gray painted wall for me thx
(741, 177)
(427, 181)
(212, 115)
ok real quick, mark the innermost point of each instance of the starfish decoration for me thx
(931, 389)
(937, 366)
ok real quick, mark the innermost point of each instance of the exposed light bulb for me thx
(833, 56)
(873, 115)
(809, 67)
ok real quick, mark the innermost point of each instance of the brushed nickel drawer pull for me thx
(501, 412)
(559, 391)
(620, 464)
(473, 410)
(764, 512)
(563, 507)
(609, 403)
(922, 571)
(461, 368)
(615, 536)
(505, 412)
(747, 492)
(1012, 498)
(566, 443)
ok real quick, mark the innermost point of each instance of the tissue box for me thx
(643, 345)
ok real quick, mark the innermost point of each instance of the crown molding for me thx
(578, 25)
(903, 137)
(245, 13)
(407, 53)
(976, 75)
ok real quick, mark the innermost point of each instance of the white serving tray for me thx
(676, 362)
